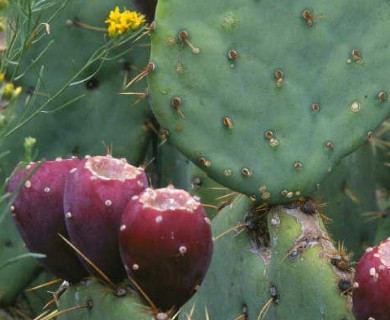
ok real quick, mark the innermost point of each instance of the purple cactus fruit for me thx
(372, 284)
(95, 196)
(166, 245)
(38, 213)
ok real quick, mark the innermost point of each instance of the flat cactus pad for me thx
(267, 96)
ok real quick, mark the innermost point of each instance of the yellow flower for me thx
(10, 91)
(17, 91)
(114, 15)
(121, 22)
(2, 77)
(132, 19)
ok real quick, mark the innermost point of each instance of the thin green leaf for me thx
(21, 257)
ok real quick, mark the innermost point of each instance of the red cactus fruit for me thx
(372, 284)
(95, 196)
(166, 245)
(38, 213)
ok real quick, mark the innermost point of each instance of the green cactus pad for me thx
(240, 284)
(91, 115)
(174, 168)
(17, 267)
(36, 296)
(268, 96)
(308, 285)
(278, 267)
(91, 300)
(351, 192)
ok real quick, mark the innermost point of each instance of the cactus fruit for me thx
(372, 284)
(38, 213)
(250, 94)
(95, 196)
(166, 245)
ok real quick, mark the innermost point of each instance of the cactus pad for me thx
(273, 270)
(96, 114)
(241, 287)
(268, 96)
(15, 260)
(91, 300)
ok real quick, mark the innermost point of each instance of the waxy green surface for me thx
(284, 132)
(91, 300)
(292, 262)
(241, 283)
(300, 268)
(100, 117)
(17, 269)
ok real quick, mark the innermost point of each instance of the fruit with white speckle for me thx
(166, 245)
(372, 284)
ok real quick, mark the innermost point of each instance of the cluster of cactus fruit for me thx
(116, 224)
(273, 113)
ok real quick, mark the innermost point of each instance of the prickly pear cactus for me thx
(91, 300)
(279, 263)
(266, 96)
(39, 292)
(352, 205)
(74, 75)
(383, 224)
(241, 285)
(17, 267)
(303, 256)
(174, 168)
(355, 195)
